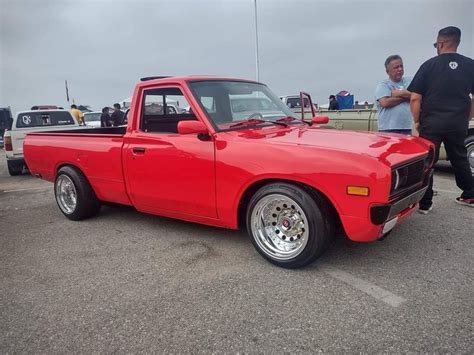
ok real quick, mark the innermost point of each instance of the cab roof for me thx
(146, 81)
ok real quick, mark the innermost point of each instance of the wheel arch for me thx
(256, 185)
(74, 166)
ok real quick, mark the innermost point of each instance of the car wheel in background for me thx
(469, 142)
(15, 167)
(74, 195)
(288, 225)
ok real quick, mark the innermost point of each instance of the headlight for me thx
(429, 159)
(395, 180)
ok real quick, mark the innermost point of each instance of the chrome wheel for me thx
(279, 226)
(66, 194)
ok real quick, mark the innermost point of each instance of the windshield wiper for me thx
(290, 119)
(255, 121)
(286, 119)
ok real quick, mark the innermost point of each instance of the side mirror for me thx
(190, 127)
(320, 119)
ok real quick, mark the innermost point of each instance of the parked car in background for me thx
(5, 122)
(32, 121)
(45, 107)
(92, 119)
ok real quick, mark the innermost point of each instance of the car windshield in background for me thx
(229, 102)
(294, 102)
(46, 118)
(92, 117)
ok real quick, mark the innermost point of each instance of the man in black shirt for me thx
(105, 120)
(441, 108)
(117, 116)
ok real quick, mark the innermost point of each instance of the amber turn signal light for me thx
(358, 190)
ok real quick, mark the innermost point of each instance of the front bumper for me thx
(389, 213)
(384, 217)
(379, 214)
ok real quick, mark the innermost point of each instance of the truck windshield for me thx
(229, 102)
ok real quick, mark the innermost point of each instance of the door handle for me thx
(138, 150)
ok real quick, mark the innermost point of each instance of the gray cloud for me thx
(103, 47)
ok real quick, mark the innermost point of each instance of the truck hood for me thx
(390, 149)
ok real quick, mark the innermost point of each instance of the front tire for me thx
(74, 195)
(289, 226)
(469, 142)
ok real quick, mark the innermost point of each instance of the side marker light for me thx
(357, 190)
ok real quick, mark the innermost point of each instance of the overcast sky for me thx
(103, 47)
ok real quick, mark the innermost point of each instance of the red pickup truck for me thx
(232, 155)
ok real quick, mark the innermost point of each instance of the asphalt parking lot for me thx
(130, 282)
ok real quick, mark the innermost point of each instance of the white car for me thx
(92, 119)
(32, 121)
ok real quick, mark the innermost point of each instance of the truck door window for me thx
(162, 110)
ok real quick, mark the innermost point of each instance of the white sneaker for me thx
(425, 210)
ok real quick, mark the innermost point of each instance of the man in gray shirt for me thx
(393, 99)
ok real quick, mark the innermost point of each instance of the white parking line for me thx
(366, 287)
(31, 188)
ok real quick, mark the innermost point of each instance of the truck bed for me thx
(97, 152)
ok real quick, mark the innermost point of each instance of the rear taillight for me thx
(8, 143)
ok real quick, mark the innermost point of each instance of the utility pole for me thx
(67, 92)
(256, 43)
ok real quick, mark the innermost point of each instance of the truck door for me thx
(169, 173)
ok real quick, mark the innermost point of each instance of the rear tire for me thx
(15, 167)
(289, 226)
(74, 195)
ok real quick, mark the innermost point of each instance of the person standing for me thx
(117, 115)
(441, 109)
(333, 104)
(77, 114)
(105, 120)
(393, 99)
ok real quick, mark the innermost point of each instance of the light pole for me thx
(256, 41)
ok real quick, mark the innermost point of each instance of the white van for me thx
(32, 121)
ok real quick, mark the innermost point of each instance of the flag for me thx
(67, 92)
